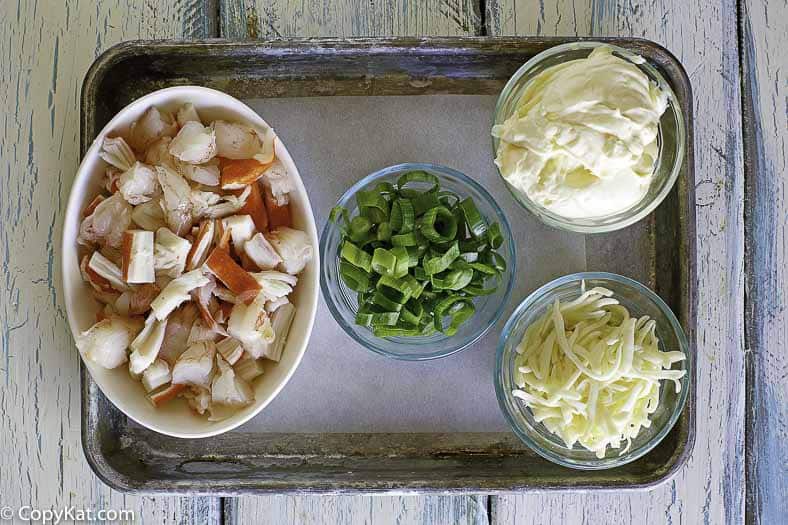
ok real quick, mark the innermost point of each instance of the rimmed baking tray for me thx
(659, 251)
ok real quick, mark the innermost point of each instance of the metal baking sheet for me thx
(350, 421)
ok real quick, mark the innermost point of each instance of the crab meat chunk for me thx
(137, 253)
(175, 203)
(241, 228)
(229, 389)
(156, 375)
(170, 253)
(293, 247)
(179, 325)
(150, 127)
(276, 179)
(239, 141)
(176, 292)
(105, 343)
(261, 253)
(238, 280)
(116, 152)
(252, 327)
(158, 154)
(187, 113)
(149, 215)
(138, 184)
(194, 143)
(145, 347)
(195, 365)
(107, 223)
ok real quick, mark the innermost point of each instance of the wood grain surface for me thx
(764, 41)
(45, 49)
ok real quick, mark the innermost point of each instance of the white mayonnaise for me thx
(582, 141)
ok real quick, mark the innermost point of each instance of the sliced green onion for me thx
(418, 176)
(384, 262)
(438, 225)
(473, 219)
(495, 236)
(356, 256)
(382, 300)
(442, 262)
(368, 316)
(354, 277)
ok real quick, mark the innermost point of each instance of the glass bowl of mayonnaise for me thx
(589, 137)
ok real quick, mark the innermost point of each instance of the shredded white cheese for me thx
(591, 373)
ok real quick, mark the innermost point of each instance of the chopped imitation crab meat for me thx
(158, 154)
(137, 252)
(239, 141)
(164, 395)
(145, 347)
(116, 152)
(138, 184)
(248, 367)
(176, 337)
(107, 223)
(276, 179)
(241, 228)
(229, 389)
(255, 207)
(231, 349)
(251, 325)
(156, 375)
(136, 300)
(175, 202)
(293, 247)
(107, 270)
(185, 214)
(206, 174)
(187, 113)
(170, 253)
(278, 214)
(176, 292)
(201, 245)
(207, 204)
(150, 127)
(238, 280)
(106, 342)
(194, 143)
(238, 173)
(149, 215)
(262, 254)
(195, 365)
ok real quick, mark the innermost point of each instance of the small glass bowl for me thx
(639, 300)
(671, 139)
(343, 302)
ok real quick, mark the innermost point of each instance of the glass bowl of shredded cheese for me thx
(592, 370)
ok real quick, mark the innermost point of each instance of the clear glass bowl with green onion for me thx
(443, 279)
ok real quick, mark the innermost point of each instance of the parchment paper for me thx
(340, 386)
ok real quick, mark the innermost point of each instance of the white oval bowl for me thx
(175, 418)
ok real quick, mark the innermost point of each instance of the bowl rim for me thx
(555, 220)
(606, 462)
(68, 242)
(464, 179)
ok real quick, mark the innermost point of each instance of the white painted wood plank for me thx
(45, 49)
(703, 35)
(283, 18)
(765, 39)
(357, 510)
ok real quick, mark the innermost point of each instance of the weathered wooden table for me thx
(735, 53)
